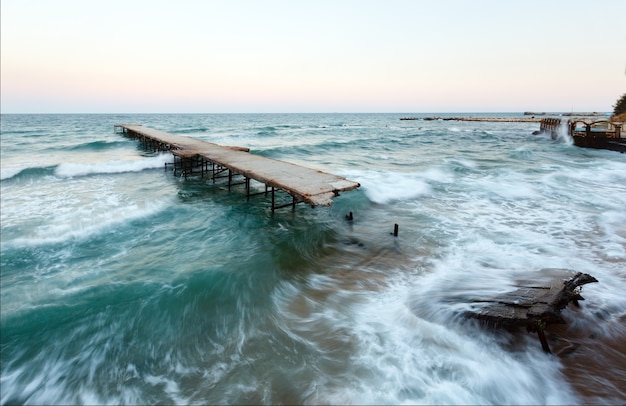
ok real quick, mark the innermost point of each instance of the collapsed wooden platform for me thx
(193, 156)
(535, 304)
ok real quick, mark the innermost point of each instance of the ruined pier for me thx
(535, 303)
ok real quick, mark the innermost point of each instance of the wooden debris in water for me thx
(536, 303)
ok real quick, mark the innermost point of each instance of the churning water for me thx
(122, 283)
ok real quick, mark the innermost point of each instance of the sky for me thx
(322, 56)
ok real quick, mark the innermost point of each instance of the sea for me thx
(125, 283)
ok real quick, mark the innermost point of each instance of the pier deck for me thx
(305, 185)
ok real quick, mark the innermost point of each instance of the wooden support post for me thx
(395, 230)
(272, 199)
(544, 341)
(247, 189)
(230, 178)
(293, 203)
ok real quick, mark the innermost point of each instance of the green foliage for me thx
(620, 106)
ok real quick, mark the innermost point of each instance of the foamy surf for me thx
(8, 173)
(413, 359)
(385, 187)
(83, 223)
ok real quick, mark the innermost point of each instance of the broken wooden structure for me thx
(535, 303)
(197, 157)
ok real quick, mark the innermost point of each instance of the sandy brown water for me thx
(594, 363)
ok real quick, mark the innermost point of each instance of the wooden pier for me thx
(197, 157)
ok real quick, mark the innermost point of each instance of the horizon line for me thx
(538, 112)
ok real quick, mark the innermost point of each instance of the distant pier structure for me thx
(239, 167)
(598, 134)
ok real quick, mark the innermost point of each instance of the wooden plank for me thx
(311, 186)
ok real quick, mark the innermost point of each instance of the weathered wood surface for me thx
(310, 186)
(535, 303)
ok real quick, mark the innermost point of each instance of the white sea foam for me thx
(83, 222)
(81, 169)
(562, 133)
(386, 187)
(7, 173)
(413, 358)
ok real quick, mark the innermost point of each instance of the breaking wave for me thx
(69, 170)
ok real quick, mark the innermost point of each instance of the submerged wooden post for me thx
(544, 341)
(395, 230)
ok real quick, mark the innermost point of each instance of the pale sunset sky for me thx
(231, 56)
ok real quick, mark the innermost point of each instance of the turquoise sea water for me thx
(122, 283)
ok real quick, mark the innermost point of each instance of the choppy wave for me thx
(68, 170)
(193, 130)
(8, 173)
(97, 145)
(73, 169)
